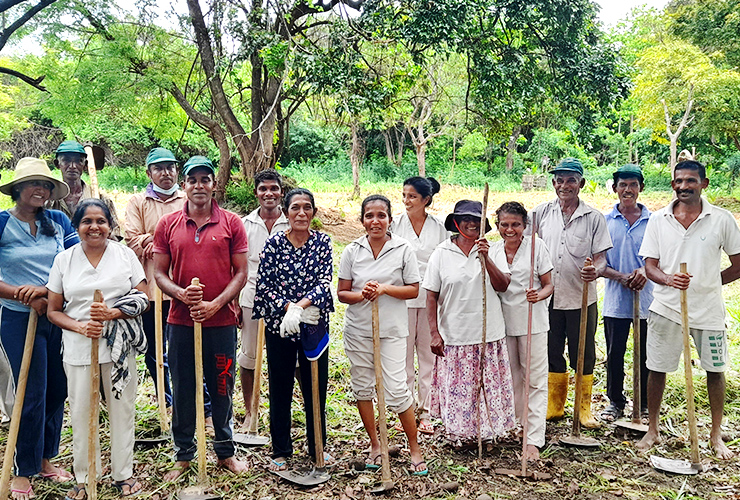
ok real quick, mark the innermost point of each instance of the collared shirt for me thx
(395, 265)
(570, 245)
(142, 215)
(624, 257)
(61, 205)
(514, 300)
(432, 233)
(201, 252)
(257, 234)
(72, 275)
(289, 274)
(457, 279)
(700, 247)
(26, 259)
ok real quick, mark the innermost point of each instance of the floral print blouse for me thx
(289, 274)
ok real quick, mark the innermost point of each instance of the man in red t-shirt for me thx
(206, 242)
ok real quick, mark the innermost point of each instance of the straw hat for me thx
(29, 169)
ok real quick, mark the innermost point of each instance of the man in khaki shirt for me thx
(577, 237)
(71, 159)
(143, 211)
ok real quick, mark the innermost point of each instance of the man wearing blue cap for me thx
(625, 273)
(578, 239)
(201, 241)
(71, 159)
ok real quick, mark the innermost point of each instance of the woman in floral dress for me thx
(455, 305)
(294, 287)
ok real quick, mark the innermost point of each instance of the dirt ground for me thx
(613, 471)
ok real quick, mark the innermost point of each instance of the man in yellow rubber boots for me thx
(574, 232)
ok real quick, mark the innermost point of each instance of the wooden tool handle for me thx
(92, 172)
(318, 432)
(530, 306)
(164, 423)
(255, 410)
(20, 394)
(380, 390)
(200, 413)
(579, 364)
(484, 322)
(693, 433)
(636, 357)
(92, 438)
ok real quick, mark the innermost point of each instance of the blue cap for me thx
(71, 147)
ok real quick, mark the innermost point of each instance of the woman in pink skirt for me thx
(455, 306)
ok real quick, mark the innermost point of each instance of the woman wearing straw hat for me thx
(30, 239)
(455, 308)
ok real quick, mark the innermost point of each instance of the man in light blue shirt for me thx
(625, 273)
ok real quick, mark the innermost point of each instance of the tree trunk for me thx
(400, 134)
(511, 147)
(355, 158)
(421, 158)
(685, 120)
(265, 100)
(388, 147)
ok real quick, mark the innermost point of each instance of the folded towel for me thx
(123, 334)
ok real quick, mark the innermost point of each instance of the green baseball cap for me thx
(197, 161)
(628, 171)
(569, 165)
(71, 147)
(159, 155)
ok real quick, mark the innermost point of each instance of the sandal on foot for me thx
(129, 483)
(414, 471)
(398, 427)
(611, 413)
(426, 427)
(58, 476)
(18, 493)
(278, 465)
(75, 493)
(373, 463)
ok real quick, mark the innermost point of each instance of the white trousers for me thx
(420, 340)
(537, 383)
(120, 415)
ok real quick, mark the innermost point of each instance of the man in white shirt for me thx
(260, 224)
(693, 231)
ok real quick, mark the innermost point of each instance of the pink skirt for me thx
(455, 392)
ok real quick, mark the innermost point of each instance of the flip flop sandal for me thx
(130, 482)
(426, 427)
(55, 477)
(76, 492)
(27, 493)
(276, 466)
(611, 413)
(373, 463)
(398, 427)
(414, 471)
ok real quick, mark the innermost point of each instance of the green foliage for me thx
(240, 197)
(713, 25)
(733, 168)
(309, 142)
(473, 146)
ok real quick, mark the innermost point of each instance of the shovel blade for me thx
(196, 493)
(250, 439)
(383, 487)
(632, 426)
(579, 441)
(152, 442)
(311, 477)
(672, 466)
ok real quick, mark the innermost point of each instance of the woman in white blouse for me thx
(98, 263)
(424, 232)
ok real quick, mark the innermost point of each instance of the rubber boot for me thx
(587, 418)
(557, 392)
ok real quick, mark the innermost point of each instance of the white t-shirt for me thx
(257, 235)
(514, 299)
(700, 246)
(396, 265)
(72, 275)
(457, 278)
(433, 233)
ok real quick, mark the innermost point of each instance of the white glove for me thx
(311, 315)
(291, 321)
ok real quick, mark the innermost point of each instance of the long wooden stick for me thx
(484, 325)
(380, 390)
(576, 432)
(92, 438)
(92, 172)
(20, 395)
(693, 434)
(164, 423)
(200, 413)
(318, 433)
(636, 359)
(255, 410)
(530, 306)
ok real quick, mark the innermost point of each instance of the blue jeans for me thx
(219, 359)
(43, 407)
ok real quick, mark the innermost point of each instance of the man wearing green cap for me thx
(71, 159)
(143, 211)
(578, 239)
(201, 241)
(625, 273)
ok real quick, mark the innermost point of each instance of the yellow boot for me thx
(557, 392)
(587, 418)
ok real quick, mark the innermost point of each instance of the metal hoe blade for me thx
(530, 474)
(152, 442)
(196, 493)
(579, 441)
(672, 466)
(250, 439)
(310, 477)
(383, 487)
(632, 426)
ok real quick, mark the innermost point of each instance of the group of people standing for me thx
(424, 274)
